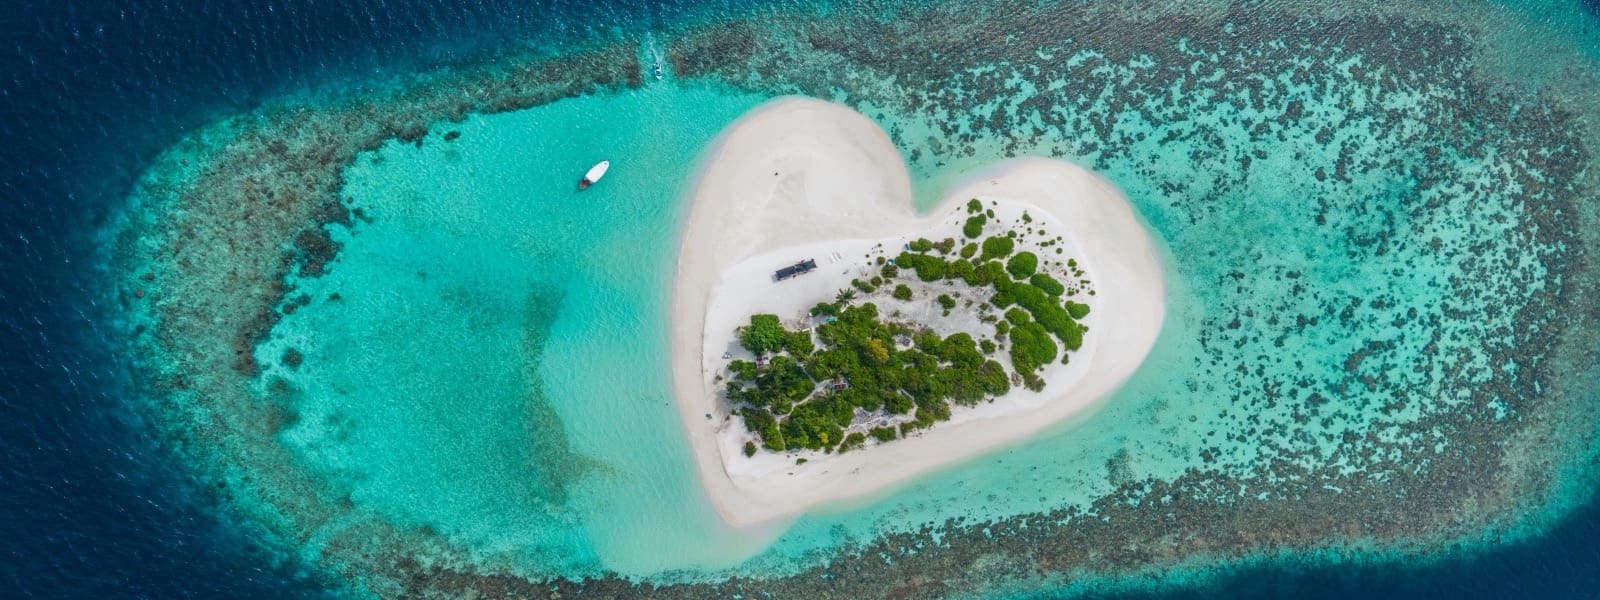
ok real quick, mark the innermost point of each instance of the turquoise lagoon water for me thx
(486, 360)
(487, 357)
(493, 367)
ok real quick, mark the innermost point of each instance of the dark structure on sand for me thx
(799, 268)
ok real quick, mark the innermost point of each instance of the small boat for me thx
(594, 174)
(655, 68)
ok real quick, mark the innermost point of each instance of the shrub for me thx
(866, 288)
(1047, 283)
(969, 250)
(810, 426)
(1002, 297)
(761, 422)
(929, 268)
(1078, 311)
(798, 343)
(946, 301)
(959, 269)
(945, 246)
(974, 227)
(1026, 218)
(997, 247)
(1022, 265)
(921, 245)
(883, 434)
(901, 292)
(825, 309)
(928, 342)
(986, 274)
(749, 449)
(764, 334)
(974, 206)
(1031, 347)
(897, 403)
(1018, 316)
(890, 271)
(743, 370)
(987, 346)
(853, 440)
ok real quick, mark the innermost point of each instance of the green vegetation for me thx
(810, 387)
(974, 206)
(1078, 311)
(853, 440)
(928, 267)
(960, 269)
(764, 334)
(997, 247)
(1017, 316)
(806, 399)
(1035, 296)
(884, 434)
(1048, 284)
(974, 227)
(1031, 348)
(1022, 264)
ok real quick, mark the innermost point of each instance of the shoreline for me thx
(777, 185)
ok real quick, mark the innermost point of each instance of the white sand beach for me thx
(800, 178)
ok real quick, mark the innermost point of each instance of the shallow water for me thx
(493, 371)
(499, 336)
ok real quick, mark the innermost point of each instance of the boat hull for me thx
(594, 174)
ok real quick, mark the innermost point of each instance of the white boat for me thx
(594, 174)
(656, 69)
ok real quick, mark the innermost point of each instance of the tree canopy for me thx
(811, 391)
(795, 402)
(997, 247)
(763, 335)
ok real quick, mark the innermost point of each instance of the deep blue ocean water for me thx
(90, 506)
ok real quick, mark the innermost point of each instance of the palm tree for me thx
(845, 296)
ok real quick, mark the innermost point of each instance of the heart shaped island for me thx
(829, 342)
